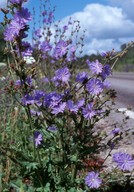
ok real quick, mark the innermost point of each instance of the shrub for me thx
(49, 140)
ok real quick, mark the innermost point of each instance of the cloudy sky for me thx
(108, 23)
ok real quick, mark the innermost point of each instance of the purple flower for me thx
(48, 17)
(45, 46)
(106, 71)
(23, 16)
(27, 49)
(38, 94)
(103, 54)
(92, 180)
(13, 30)
(52, 128)
(28, 81)
(36, 98)
(19, 83)
(52, 99)
(95, 67)
(37, 33)
(61, 49)
(124, 161)
(72, 49)
(53, 102)
(71, 53)
(89, 112)
(61, 75)
(106, 84)
(18, 23)
(35, 113)
(59, 108)
(44, 13)
(27, 100)
(81, 77)
(94, 86)
(115, 131)
(80, 103)
(71, 107)
(38, 138)
(65, 27)
(108, 54)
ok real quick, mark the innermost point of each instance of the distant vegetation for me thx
(125, 63)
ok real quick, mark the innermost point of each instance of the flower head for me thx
(27, 49)
(94, 86)
(106, 84)
(103, 54)
(65, 27)
(61, 49)
(124, 161)
(72, 107)
(38, 33)
(89, 112)
(95, 67)
(92, 180)
(45, 46)
(59, 108)
(13, 30)
(27, 99)
(61, 75)
(36, 98)
(115, 131)
(80, 103)
(35, 113)
(108, 54)
(28, 81)
(81, 77)
(52, 128)
(23, 15)
(52, 99)
(54, 102)
(38, 138)
(106, 71)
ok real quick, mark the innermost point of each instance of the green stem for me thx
(31, 128)
(74, 172)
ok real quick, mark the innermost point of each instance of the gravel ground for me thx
(126, 144)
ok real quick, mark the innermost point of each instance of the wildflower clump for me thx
(58, 107)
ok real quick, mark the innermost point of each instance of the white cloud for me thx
(100, 45)
(126, 5)
(107, 27)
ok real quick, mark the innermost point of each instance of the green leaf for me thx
(72, 190)
(29, 165)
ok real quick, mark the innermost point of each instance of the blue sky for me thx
(68, 7)
(109, 23)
